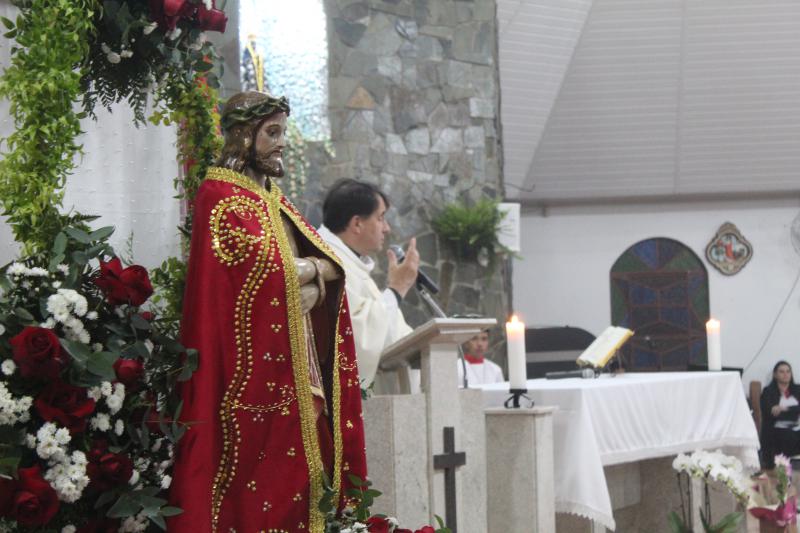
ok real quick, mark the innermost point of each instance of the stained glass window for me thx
(659, 289)
(286, 45)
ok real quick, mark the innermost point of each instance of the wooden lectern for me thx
(404, 432)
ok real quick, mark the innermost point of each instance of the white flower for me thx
(30, 441)
(50, 323)
(63, 268)
(57, 284)
(94, 393)
(174, 34)
(113, 58)
(17, 269)
(91, 315)
(106, 388)
(209, 4)
(114, 404)
(100, 422)
(69, 528)
(135, 524)
(8, 367)
(149, 28)
(62, 436)
(166, 481)
(119, 427)
(134, 478)
(97, 347)
(125, 54)
(105, 48)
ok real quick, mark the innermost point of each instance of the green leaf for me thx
(79, 351)
(105, 498)
(140, 323)
(80, 257)
(676, 524)
(125, 506)
(102, 233)
(171, 511)
(102, 364)
(7, 23)
(159, 521)
(60, 244)
(79, 235)
(23, 314)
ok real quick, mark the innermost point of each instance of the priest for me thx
(274, 409)
(355, 226)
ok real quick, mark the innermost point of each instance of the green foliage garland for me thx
(42, 84)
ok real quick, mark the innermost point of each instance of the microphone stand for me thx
(439, 313)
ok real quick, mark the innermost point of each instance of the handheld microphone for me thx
(422, 278)
(584, 373)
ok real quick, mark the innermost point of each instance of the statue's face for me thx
(269, 145)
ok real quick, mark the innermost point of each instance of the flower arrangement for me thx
(778, 505)
(710, 466)
(140, 44)
(356, 517)
(86, 391)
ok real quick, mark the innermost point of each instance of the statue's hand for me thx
(306, 270)
(309, 294)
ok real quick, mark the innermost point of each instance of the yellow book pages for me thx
(604, 347)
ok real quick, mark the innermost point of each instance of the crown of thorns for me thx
(247, 112)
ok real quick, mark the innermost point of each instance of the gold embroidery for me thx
(349, 425)
(266, 507)
(291, 452)
(274, 302)
(337, 410)
(232, 247)
(302, 376)
(251, 485)
(297, 497)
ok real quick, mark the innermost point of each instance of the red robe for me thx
(251, 460)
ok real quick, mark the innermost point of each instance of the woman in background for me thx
(780, 409)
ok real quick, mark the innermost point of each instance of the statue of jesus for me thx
(274, 407)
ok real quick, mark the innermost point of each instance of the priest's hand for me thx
(401, 277)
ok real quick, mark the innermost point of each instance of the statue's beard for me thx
(270, 165)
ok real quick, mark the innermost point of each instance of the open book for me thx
(604, 347)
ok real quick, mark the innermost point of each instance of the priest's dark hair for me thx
(348, 198)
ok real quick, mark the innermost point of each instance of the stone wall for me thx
(414, 105)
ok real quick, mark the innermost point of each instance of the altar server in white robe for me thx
(480, 370)
(355, 226)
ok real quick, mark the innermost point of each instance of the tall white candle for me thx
(515, 342)
(714, 345)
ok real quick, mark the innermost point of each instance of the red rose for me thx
(123, 285)
(129, 372)
(66, 404)
(38, 353)
(211, 19)
(402, 530)
(99, 525)
(107, 469)
(35, 502)
(8, 487)
(147, 315)
(378, 524)
(425, 529)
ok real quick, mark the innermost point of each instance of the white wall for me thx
(563, 277)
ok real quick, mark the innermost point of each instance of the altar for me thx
(633, 417)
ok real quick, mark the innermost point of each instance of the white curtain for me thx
(125, 177)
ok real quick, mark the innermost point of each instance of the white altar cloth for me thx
(632, 417)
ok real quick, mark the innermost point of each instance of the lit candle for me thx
(515, 342)
(714, 345)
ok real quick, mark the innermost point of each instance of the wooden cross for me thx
(449, 461)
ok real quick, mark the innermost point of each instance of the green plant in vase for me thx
(471, 230)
